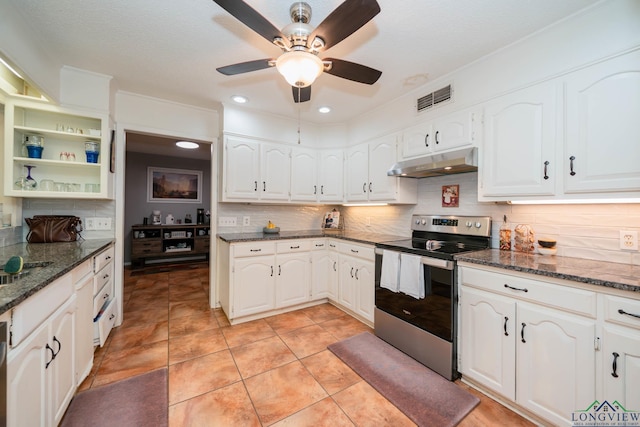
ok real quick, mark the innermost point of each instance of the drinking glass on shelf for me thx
(46, 185)
(30, 183)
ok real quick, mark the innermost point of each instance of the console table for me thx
(168, 241)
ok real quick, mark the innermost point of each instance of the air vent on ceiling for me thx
(434, 98)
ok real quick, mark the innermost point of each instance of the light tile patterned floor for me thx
(269, 372)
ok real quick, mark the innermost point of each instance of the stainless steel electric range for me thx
(416, 295)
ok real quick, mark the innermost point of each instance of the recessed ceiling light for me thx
(187, 144)
(324, 110)
(240, 99)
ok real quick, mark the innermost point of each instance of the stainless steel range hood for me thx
(452, 162)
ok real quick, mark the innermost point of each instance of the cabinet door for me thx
(357, 173)
(603, 106)
(519, 143)
(454, 130)
(253, 285)
(320, 270)
(488, 341)
(331, 176)
(621, 366)
(365, 288)
(417, 140)
(62, 369)
(241, 169)
(27, 381)
(304, 184)
(555, 362)
(293, 279)
(346, 286)
(382, 155)
(333, 278)
(275, 171)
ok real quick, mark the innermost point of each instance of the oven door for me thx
(433, 313)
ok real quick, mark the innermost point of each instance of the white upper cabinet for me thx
(519, 148)
(453, 130)
(63, 158)
(574, 137)
(256, 171)
(316, 175)
(602, 133)
(366, 174)
(304, 174)
(331, 176)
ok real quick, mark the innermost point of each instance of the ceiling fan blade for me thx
(252, 19)
(352, 71)
(301, 94)
(344, 21)
(245, 67)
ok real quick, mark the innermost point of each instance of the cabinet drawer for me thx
(146, 247)
(550, 294)
(103, 259)
(28, 315)
(320, 244)
(253, 249)
(289, 246)
(202, 245)
(360, 251)
(103, 324)
(101, 278)
(101, 297)
(623, 311)
(81, 271)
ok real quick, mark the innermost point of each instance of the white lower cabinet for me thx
(83, 279)
(293, 280)
(357, 279)
(254, 284)
(516, 343)
(41, 371)
(320, 269)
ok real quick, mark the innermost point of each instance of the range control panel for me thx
(469, 225)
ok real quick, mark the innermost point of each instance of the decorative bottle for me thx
(505, 235)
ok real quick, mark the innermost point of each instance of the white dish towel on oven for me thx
(411, 276)
(390, 270)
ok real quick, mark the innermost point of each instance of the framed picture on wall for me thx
(450, 196)
(174, 185)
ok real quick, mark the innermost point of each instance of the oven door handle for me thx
(431, 262)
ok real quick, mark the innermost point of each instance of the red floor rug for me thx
(422, 395)
(138, 401)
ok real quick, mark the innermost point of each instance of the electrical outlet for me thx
(227, 221)
(89, 224)
(103, 223)
(629, 240)
(246, 220)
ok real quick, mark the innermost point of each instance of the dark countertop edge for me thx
(472, 259)
(359, 237)
(53, 272)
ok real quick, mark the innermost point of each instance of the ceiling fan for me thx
(301, 44)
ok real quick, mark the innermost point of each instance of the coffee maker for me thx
(156, 218)
(200, 216)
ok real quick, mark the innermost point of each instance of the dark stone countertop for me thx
(625, 277)
(63, 258)
(354, 236)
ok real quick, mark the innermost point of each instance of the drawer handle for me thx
(506, 319)
(53, 356)
(354, 251)
(105, 296)
(352, 272)
(112, 316)
(546, 165)
(357, 273)
(272, 271)
(255, 250)
(571, 159)
(279, 270)
(59, 346)
(522, 332)
(516, 289)
(621, 311)
(294, 247)
(614, 366)
(332, 246)
(106, 276)
(334, 266)
(107, 258)
(319, 246)
(322, 189)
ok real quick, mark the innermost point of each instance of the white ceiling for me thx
(170, 49)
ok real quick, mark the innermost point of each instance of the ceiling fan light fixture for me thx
(187, 144)
(299, 68)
